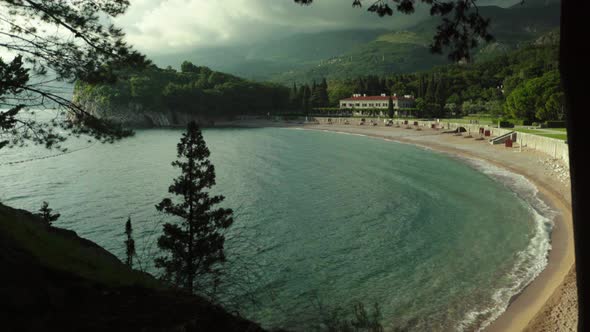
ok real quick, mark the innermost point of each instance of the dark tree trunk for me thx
(573, 64)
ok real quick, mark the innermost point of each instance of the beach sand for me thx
(549, 303)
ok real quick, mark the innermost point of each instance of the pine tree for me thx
(439, 97)
(315, 98)
(429, 95)
(382, 85)
(46, 214)
(422, 89)
(129, 243)
(390, 108)
(301, 97)
(306, 102)
(195, 245)
(294, 97)
(324, 98)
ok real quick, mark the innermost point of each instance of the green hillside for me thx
(194, 89)
(262, 60)
(53, 280)
(347, 54)
(408, 51)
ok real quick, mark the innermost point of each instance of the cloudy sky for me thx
(174, 26)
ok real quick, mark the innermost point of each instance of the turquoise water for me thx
(323, 220)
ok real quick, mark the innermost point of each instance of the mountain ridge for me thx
(344, 54)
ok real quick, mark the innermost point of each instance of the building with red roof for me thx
(358, 101)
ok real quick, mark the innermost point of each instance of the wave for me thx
(531, 261)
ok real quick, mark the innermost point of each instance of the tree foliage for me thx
(46, 213)
(56, 42)
(540, 98)
(390, 111)
(195, 244)
(503, 87)
(359, 319)
(195, 90)
(461, 29)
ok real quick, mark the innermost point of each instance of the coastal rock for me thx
(557, 169)
(136, 116)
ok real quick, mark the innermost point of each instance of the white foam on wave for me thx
(531, 261)
(333, 131)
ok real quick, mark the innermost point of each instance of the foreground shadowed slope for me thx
(54, 280)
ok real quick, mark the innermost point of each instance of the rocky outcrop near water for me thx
(137, 116)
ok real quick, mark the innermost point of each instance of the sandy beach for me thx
(549, 303)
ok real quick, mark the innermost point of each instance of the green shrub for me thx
(506, 124)
(479, 115)
(555, 124)
(522, 122)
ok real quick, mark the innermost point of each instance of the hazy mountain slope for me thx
(262, 60)
(408, 51)
(346, 54)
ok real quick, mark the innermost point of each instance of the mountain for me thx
(535, 3)
(262, 60)
(348, 54)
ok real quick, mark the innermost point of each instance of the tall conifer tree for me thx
(430, 88)
(390, 111)
(324, 98)
(129, 243)
(195, 244)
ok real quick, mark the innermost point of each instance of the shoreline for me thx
(526, 306)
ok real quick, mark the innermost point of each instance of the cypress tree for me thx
(195, 245)
(306, 102)
(382, 85)
(439, 96)
(390, 108)
(315, 98)
(129, 243)
(300, 97)
(294, 97)
(429, 96)
(324, 98)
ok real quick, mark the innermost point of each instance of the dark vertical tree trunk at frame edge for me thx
(573, 61)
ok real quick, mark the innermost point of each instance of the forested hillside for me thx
(304, 57)
(193, 89)
(523, 84)
(408, 51)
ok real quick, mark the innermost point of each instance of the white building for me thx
(358, 101)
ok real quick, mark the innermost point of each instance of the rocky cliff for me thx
(137, 116)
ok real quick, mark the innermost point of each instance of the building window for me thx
(364, 105)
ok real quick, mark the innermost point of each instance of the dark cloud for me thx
(172, 26)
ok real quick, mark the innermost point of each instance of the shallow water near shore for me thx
(323, 220)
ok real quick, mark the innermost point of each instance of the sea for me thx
(324, 222)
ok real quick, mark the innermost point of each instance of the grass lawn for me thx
(544, 133)
(482, 121)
